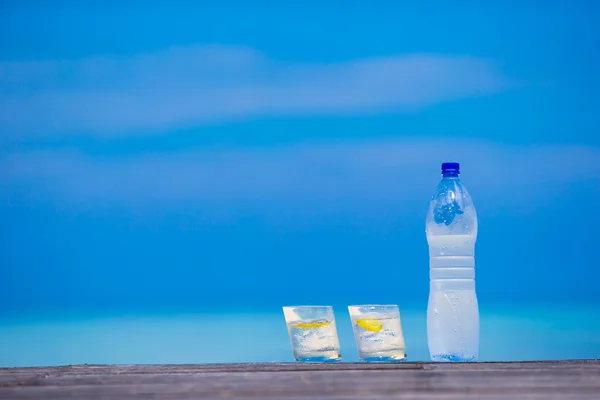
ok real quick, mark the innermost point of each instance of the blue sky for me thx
(259, 153)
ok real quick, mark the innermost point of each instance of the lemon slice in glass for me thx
(370, 324)
(312, 324)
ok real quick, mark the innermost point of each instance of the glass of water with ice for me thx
(378, 333)
(313, 333)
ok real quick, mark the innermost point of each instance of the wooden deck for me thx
(519, 380)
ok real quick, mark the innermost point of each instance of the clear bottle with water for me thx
(452, 312)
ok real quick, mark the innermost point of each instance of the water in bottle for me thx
(452, 312)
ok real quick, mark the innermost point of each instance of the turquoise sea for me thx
(516, 332)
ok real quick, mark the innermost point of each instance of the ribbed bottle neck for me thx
(450, 174)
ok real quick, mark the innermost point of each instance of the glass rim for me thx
(374, 306)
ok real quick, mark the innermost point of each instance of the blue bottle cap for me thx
(452, 168)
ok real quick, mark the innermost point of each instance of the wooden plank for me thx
(577, 379)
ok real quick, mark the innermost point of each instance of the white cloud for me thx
(184, 86)
(394, 172)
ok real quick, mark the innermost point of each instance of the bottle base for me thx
(452, 358)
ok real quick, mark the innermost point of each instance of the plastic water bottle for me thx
(452, 312)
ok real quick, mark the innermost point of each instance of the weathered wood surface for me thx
(578, 379)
